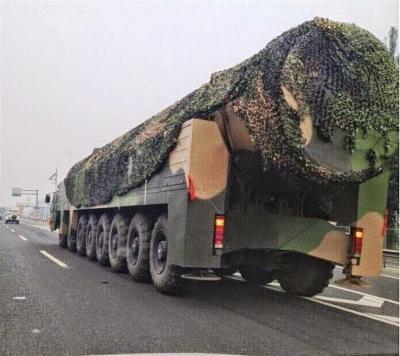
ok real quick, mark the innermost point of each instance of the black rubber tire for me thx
(90, 243)
(167, 279)
(81, 235)
(137, 257)
(305, 275)
(117, 243)
(62, 241)
(257, 275)
(71, 241)
(103, 230)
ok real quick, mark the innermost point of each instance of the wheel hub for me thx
(101, 240)
(160, 248)
(161, 251)
(135, 247)
(114, 243)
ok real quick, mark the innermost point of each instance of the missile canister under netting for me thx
(320, 104)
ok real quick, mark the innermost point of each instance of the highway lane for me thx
(83, 308)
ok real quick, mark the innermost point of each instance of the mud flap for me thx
(353, 281)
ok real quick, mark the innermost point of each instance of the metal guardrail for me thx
(36, 220)
(390, 252)
(391, 240)
(390, 258)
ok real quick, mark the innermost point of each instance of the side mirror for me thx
(47, 199)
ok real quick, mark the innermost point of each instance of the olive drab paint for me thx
(292, 148)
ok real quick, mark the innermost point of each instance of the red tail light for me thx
(219, 231)
(357, 233)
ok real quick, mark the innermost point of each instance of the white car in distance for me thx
(11, 217)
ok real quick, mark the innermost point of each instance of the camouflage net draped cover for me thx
(339, 74)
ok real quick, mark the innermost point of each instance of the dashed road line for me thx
(19, 298)
(54, 259)
(22, 238)
(12, 230)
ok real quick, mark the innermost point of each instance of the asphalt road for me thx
(73, 306)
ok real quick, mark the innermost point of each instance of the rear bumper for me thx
(314, 237)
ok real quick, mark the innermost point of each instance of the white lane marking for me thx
(19, 298)
(394, 319)
(7, 227)
(377, 317)
(387, 276)
(54, 259)
(275, 286)
(12, 230)
(22, 238)
(370, 298)
(35, 331)
(364, 301)
(362, 293)
(351, 311)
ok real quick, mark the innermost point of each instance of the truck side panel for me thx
(372, 199)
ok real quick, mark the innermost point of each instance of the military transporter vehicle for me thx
(275, 168)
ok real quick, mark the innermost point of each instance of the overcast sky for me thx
(75, 75)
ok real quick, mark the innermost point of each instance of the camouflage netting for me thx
(339, 74)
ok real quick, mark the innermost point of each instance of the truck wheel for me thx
(137, 248)
(62, 241)
(257, 275)
(81, 235)
(103, 230)
(166, 277)
(222, 272)
(117, 243)
(90, 243)
(71, 242)
(305, 275)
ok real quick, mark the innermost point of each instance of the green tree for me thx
(393, 37)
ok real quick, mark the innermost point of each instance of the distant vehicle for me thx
(11, 217)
